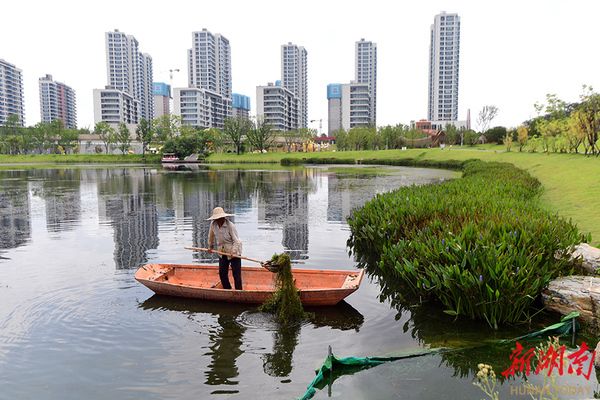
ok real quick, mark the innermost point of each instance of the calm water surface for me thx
(74, 324)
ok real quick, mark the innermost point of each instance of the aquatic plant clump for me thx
(285, 302)
(481, 245)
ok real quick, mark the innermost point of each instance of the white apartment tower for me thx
(206, 103)
(11, 93)
(57, 101)
(130, 71)
(443, 68)
(366, 72)
(349, 106)
(278, 106)
(209, 63)
(294, 77)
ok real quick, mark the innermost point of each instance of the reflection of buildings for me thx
(286, 205)
(62, 197)
(15, 226)
(229, 190)
(338, 200)
(128, 202)
(343, 195)
(62, 210)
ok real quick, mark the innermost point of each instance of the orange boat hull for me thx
(316, 287)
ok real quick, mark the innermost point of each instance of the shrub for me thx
(331, 160)
(480, 245)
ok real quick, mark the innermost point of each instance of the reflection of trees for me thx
(279, 362)
(341, 316)
(15, 225)
(127, 200)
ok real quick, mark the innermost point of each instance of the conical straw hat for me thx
(217, 213)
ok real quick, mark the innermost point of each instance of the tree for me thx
(38, 137)
(65, 138)
(453, 135)
(486, 115)
(295, 137)
(237, 129)
(341, 139)
(553, 123)
(144, 133)
(122, 138)
(260, 136)
(166, 127)
(587, 118)
(508, 140)
(182, 146)
(470, 137)
(106, 134)
(495, 134)
(392, 137)
(576, 134)
(522, 136)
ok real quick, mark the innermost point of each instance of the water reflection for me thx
(73, 228)
(60, 190)
(15, 219)
(126, 199)
(232, 322)
(135, 201)
(470, 342)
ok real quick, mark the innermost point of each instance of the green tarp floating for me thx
(334, 367)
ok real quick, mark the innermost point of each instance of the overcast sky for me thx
(512, 52)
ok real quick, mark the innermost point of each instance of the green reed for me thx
(481, 245)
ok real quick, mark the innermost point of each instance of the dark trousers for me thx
(236, 267)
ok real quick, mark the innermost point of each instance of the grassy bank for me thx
(571, 182)
(80, 158)
(480, 245)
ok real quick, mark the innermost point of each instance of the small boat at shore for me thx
(317, 287)
(171, 158)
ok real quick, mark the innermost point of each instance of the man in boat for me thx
(223, 232)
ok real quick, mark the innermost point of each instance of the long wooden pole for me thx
(225, 254)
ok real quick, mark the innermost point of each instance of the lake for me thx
(74, 323)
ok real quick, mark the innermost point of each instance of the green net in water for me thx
(285, 302)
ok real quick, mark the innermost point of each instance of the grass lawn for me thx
(571, 181)
(79, 158)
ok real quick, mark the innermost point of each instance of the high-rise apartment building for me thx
(114, 106)
(294, 77)
(57, 102)
(240, 105)
(130, 71)
(206, 102)
(334, 108)
(444, 54)
(349, 106)
(201, 107)
(278, 107)
(366, 72)
(162, 97)
(209, 63)
(11, 93)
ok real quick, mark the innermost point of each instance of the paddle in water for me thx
(285, 302)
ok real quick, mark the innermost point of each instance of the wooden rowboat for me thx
(317, 287)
